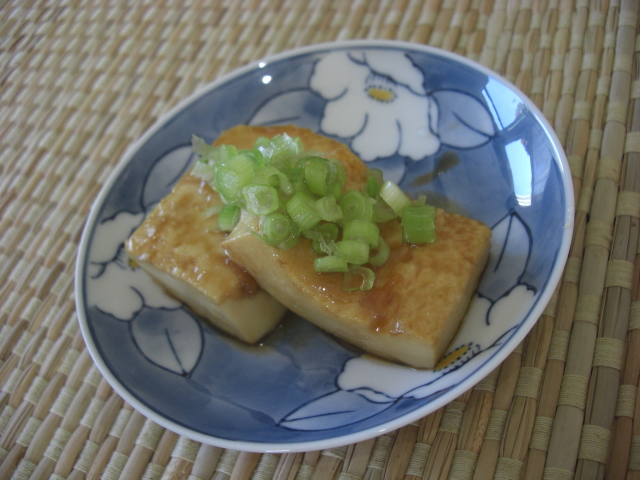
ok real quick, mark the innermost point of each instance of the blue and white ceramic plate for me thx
(435, 122)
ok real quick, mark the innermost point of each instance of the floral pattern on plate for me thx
(438, 125)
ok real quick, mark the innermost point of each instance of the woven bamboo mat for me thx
(80, 80)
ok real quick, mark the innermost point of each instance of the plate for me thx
(438, 124)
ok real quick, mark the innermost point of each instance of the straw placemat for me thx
(81, 80)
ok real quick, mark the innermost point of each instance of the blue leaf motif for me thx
(109, 235)
(171, 339)
(509, 256)
(463, 122)
(112, 275)
(121, 290)
(165, 173)
(331, 411)
(368, 386)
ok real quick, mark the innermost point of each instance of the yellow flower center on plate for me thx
(451, 358)
(381, 94)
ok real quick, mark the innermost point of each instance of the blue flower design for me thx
(378, 100)
(368, 385)
(164, 332)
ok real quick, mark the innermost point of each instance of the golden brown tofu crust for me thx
(178, 238)
(420, 294)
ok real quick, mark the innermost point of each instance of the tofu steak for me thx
(181, 248)
(420, 294)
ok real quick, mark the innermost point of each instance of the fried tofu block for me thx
(181, 248)
(419, 297)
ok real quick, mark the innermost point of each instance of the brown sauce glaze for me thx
(379, 301)
(248, 286)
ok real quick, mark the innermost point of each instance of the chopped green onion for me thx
(330, 264)
(361, 230)
(255, 155)
(353, 251)
(243, 163)
(382, 212)
(355, 206)
(270, 175)
(318, 244)
(212, 210)
(373, 182)
(266, 147)
(375, 173)
(394, 196)
(301, 208)
(371, 188)
(328, 209)
(329, 231)
(224, 153)
(228, 218)
(316, 175)
(230, 182)
(336, 191)
(283, 163)
(350, 284)
(204, 171)
(200, 147)
(292, 239)
(418, 224)
(337, 171)
(286, 146)
(380, 257)
(322, 236)
(219, 154)
(261, 199)
(279, 147)
(276, 228)
(296, 177)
